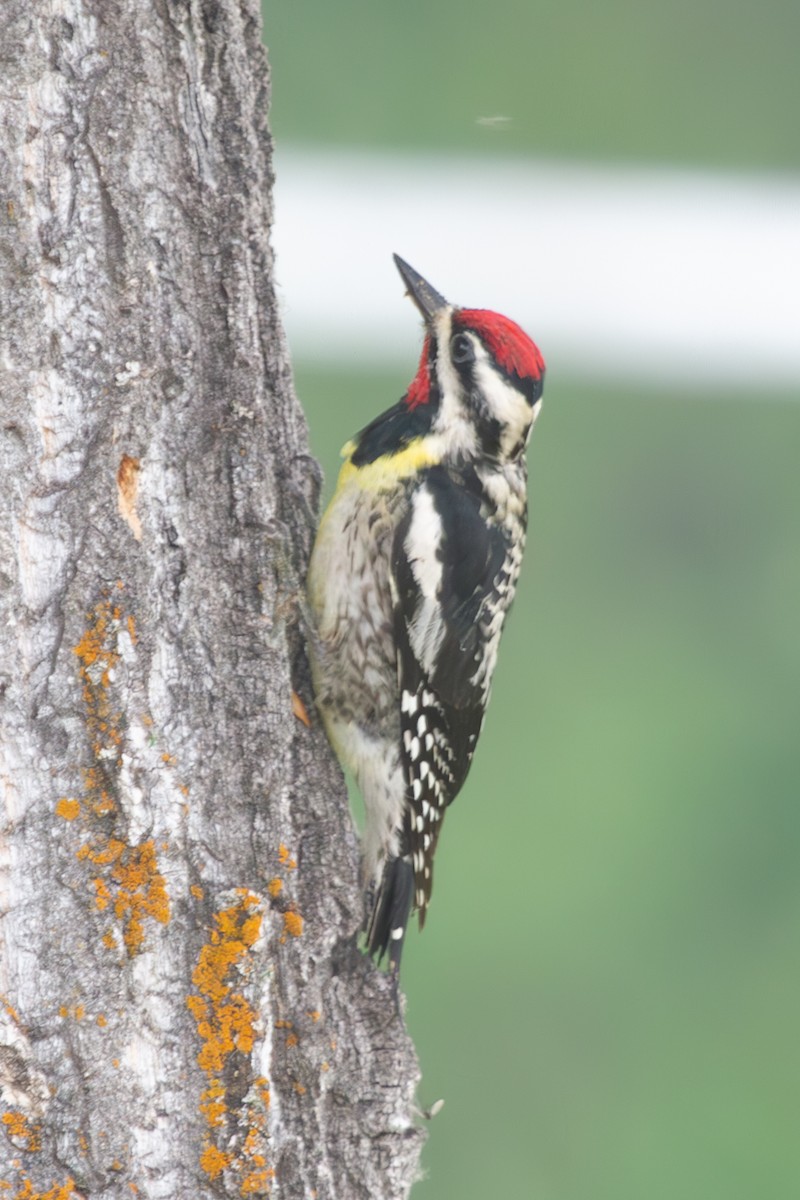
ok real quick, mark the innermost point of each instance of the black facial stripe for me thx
(488, 428)
(530, 387)
(393, 431)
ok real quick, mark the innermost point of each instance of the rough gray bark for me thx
(182, 1007)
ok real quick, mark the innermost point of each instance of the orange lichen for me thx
(274, 886)
(102, 897)
(142, 892)
(139, 889)
(108, 852)
(226, 1022)
(213, 1160)
(101, 1020)
(285, 858)
(197, 891)
(292, 924)
(68, 808)
(23, 1135)
(10, 1011)
(76, 1012)
(212, 1103)
(256, 1182)
(292, 1040)
(26, 1191)
(299, 1088)
(131, 886)
(315, 1015)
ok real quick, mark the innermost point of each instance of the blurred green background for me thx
(607, 992)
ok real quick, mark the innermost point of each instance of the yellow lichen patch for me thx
(285, 858)
(75, 1012)
(9, 1010)
(135, 886)
(131, 884)
(197, 891)
(22, 1134)
(226, 1022)
(274, 887)
(292, 925)
(141, 893)
(98, 657)
(212, 1103)
(213, 1160)
(257, 1182)
(251, 1163)
(102, 897)
(26, 1191)
(107, 852)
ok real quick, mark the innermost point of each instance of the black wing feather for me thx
(442, 705)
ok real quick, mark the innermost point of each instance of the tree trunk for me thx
(183, 1010)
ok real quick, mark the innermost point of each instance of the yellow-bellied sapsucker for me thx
(412, 574)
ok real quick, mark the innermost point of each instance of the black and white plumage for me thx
(412, 574)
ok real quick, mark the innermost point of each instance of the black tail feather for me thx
(387, 925)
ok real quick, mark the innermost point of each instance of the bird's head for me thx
(480, 377)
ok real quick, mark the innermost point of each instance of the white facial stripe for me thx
(452, 416)
(506, 404)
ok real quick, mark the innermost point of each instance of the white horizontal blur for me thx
(615, 271)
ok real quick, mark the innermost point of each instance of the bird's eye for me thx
(462, 349)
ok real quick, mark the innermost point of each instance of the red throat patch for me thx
(419, 391)
(509, 345)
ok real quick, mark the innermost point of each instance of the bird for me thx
(411, 576)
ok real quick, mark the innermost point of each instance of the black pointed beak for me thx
(426, 298)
